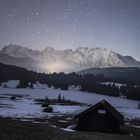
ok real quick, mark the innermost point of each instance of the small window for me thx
(101, 111)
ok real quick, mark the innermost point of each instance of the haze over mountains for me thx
(51, 60)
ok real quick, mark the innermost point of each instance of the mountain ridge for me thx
(68, 60)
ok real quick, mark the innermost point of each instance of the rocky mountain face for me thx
(51, 60)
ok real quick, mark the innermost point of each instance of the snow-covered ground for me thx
(26, 107)
(111, 83)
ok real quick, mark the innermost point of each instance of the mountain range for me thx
(51, 60)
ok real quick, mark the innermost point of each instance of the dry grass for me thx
(17, 130)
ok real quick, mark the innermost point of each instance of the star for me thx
(46, 30)
(39, 32)
(37, 14)
(65, 14)
(91, 37)
(75, 20)
(81, 2)
(72, 41)
(63, 34)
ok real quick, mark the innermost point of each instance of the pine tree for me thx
(59, 98)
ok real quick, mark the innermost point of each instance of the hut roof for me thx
(106, 106)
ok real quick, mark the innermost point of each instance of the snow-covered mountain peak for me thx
(82, 49)
(96, 49)
(11, 48)
(48, 49)
(19, 51)
(101, 50)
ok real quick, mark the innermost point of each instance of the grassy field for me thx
(17, 130)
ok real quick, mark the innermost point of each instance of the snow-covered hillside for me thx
(26, 107)
(51, 60)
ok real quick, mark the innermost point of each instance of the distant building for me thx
(100, 117)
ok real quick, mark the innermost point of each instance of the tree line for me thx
(88, 82)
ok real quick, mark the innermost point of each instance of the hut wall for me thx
(95, 121)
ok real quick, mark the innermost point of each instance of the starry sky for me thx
(65, 24)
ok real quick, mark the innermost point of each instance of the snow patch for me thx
(111, 83)
(10, 84)
(74, 88)
(66, 109)
(24, 108)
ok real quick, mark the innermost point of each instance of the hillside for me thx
(115, 72)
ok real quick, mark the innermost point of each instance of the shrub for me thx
(13, 97)
(45, 105)
(48, 109)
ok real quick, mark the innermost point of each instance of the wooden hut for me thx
(101, 117)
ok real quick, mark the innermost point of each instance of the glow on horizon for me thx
(55, 67)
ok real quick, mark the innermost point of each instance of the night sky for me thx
(64, 24)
